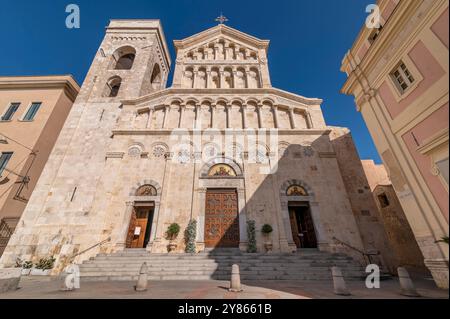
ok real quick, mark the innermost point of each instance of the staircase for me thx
(304, 265)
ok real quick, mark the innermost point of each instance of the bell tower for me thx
(133, 60)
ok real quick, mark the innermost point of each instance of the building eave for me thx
(65, 82)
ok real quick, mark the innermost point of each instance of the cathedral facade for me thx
(221, 146)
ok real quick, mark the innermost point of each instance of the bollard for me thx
(406, 284)
(72, 280)
(142, 280)
(340, 287)
(235, 284)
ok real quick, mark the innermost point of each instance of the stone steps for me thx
(306, 265)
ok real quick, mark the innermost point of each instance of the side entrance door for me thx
(140, 227)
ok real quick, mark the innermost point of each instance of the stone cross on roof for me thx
(221, 19)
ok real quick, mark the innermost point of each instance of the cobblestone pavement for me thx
(46, 288)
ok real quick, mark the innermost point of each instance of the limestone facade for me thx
(132, 145)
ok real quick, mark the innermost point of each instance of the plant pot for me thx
(171, 247)
(39, 272)
(26, 272)
(268, 246)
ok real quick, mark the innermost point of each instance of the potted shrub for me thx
(172, 233)
(43, 267)
(190, 237)
(267, 230)
(25, 265)
(251, 237)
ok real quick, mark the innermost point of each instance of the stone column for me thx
(201, 195)
(216, 51)
(292, 118)
(166, 116)
(243, 240)
(160, 220)
(213, 109)
(244, 116)
(287, 225)
(154, 226)
(228, 113)
(180, 121)
(150, 118)
(208, 78)
(321, 235)
(123, 232)
(197, 116)
(309, 120)
(194, 78)
(275, 116)
(258, 110)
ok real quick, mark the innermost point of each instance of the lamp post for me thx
(24, 179)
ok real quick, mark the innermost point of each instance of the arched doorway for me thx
(302, 225)
(221, 211)
(221, 203)
(301, 216)
(140, 229)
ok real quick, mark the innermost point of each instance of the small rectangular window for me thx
(402, 77)
(12, 109)
(4, 159)
(31, 113)
(384, 200)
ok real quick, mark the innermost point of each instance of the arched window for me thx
(296, 190)
(156, 79)
(221, 170)
(146, 190)
(123, 58)
(113, 87)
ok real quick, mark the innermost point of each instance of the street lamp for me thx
(24, 179)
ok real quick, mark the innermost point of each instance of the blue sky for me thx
(308, 41)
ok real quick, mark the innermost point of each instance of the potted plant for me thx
(267, 230)
(43, 267)
(172, 233)
(190, 237)
(25, 265)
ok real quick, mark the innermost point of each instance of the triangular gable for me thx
(224, 31)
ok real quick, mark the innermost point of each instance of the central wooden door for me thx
(221, 219)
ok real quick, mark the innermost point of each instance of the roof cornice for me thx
(65, 82)
(234, 92)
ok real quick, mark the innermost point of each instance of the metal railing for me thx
(71, 258)
(367, 256)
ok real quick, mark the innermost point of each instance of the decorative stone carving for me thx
(146, 190)
(159, 151)
(134, 151)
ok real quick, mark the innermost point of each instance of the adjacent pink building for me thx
(33, 110)
(399, 75)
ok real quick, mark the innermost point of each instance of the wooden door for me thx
(294, 227)
(138, 227)
(302, 225)
(221, 219)
(308, 229)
